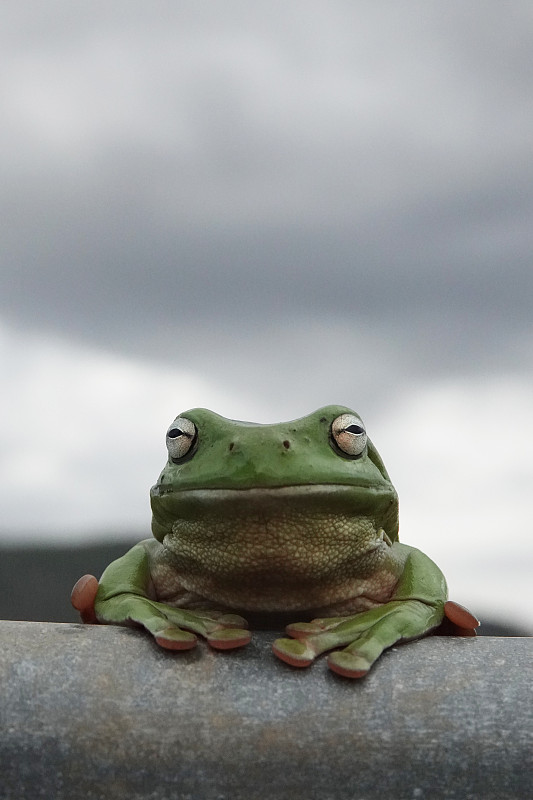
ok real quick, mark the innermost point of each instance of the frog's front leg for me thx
(415, 608)
(123, 598)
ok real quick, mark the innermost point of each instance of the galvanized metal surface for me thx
(102, 712)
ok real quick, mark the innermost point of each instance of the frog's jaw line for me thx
(219, 493)
(353, 500)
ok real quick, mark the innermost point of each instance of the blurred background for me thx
(263, 208)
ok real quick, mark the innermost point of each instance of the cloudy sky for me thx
(263, 208)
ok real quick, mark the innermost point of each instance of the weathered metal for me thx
(102, 712)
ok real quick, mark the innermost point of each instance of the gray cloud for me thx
(261, 181)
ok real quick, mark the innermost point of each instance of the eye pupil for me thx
(354, 429)
(172, 434)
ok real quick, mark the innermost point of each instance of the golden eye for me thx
(180, 437)
(349, 434)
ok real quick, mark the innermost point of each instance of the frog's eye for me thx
(181, 436)
(349, 434)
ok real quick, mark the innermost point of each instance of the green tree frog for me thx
(297, 520)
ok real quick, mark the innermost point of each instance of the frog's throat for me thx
(280, 564)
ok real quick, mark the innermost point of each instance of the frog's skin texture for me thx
(299, 519)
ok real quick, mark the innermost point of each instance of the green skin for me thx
(269, 520)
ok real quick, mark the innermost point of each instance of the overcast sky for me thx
(262, 208)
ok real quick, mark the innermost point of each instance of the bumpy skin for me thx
(270, 519)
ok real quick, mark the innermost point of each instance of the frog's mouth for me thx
(312, 512)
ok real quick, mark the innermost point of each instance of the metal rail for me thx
(102, 712)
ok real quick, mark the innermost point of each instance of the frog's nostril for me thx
(231, 446)
(286, 444)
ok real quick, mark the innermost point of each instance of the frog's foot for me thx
(364, 636)
(222, 631)
(174, 628)
(83, 596)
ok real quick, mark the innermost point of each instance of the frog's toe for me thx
(83, 596)
(232, 621)
(228, 638)
(296, 652)
(348, 664)
(300, 630)
(172, 638)
(464, 622)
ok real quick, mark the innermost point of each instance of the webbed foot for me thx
(172, 628)
(366, 635)
(363, 636)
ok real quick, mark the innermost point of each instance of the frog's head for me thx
(274, 517)
(322, 463)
